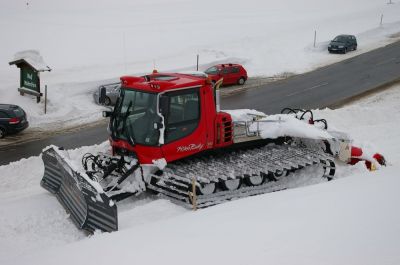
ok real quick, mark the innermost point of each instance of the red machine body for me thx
(213, 129)
(192, 121)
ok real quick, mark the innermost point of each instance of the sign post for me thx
(45, 99)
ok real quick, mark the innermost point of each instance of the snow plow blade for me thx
(89, 209)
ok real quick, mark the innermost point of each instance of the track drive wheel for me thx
(254, 180)
(231, 184)
(275, 176)
(206, 189)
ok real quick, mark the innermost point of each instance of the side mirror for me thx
(164, 105)
(102, 97)
(107, 113)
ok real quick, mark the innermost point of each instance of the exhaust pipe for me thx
(217, 94)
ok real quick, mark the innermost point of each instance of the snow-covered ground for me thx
(91, 42)
(352, 220)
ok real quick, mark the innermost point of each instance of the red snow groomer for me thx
(169, 136)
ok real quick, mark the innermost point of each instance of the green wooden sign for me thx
(30, 79)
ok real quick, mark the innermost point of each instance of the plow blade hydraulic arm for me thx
(89, 208)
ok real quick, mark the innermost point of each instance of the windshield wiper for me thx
(128, 135)
(114, 121)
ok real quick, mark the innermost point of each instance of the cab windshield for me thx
(135, 116)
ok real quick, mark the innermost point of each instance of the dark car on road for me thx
(231, 73)
(12, 119)
(343, 44)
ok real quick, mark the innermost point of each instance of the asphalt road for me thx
(88, 136)
(327, 86)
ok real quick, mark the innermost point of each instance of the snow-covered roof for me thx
(31, 57)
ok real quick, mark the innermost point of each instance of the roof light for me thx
(155, 86)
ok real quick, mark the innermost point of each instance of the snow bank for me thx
(353, 220)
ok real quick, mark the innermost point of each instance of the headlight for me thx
(341, 46)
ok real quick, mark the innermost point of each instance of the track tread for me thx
(176, 180)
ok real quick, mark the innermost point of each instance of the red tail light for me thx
(14, 121)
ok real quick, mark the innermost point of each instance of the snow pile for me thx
(354, 219)
(88, 43)
(160, 163)
(33, 58)
(274, 126)
(245, 114)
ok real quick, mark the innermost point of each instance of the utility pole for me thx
(315, 37)
(45, 99)
(124, 50)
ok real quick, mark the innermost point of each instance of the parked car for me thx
(343, 44)
(231, 73)
(112, 93)
(12, 119)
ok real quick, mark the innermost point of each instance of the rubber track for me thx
(176, 180)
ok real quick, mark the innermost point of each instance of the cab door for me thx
(185, 131)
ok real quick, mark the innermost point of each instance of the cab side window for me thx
(184, 114)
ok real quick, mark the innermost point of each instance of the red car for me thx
(231, 73)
